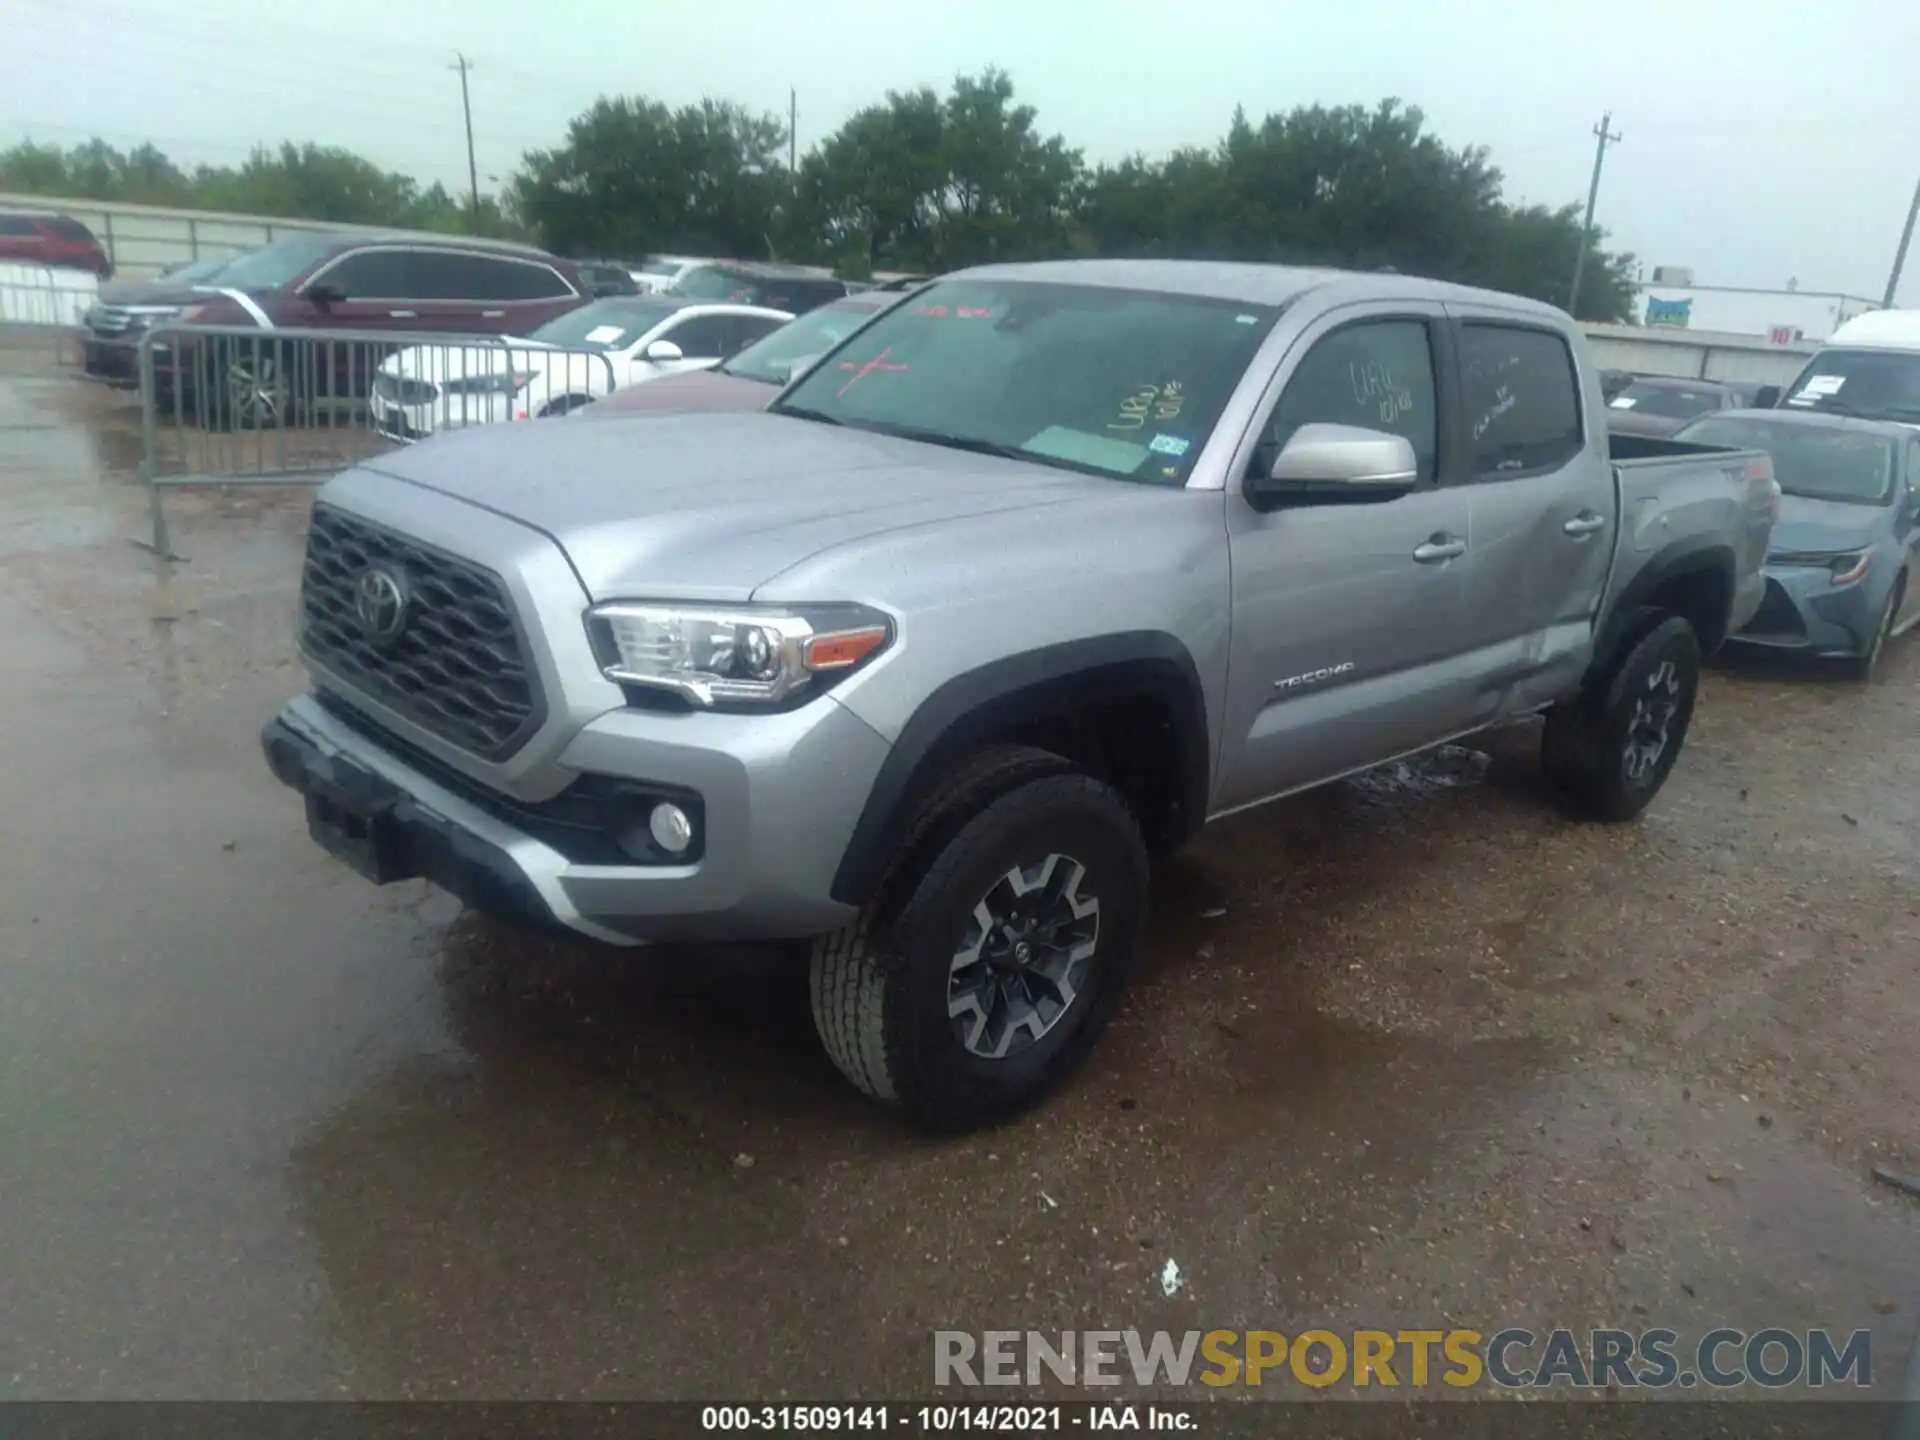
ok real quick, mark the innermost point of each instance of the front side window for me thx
(1818, 461)
(1875, 384)
(1377, 375)
(1522, 398)
(1123, 384)
(701, 337)
(18, 225)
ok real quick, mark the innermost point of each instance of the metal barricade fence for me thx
(235, 405)
(41, 309)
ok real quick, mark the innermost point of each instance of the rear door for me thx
(1347, 638)
(1543, 508)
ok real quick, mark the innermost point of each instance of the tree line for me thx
(927, 182)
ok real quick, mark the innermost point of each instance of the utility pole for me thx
(473, 171)
(1900, 255)
(793, 139)
(1606, 135)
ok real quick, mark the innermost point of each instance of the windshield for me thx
(199, 269)
(1120, 383)
(281, 263)
(1670, 402)
(606, 324)
(1878, 384)
(710, 282)
(1812, 461)
(812, 335)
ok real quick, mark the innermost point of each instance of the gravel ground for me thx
(1413, 1050)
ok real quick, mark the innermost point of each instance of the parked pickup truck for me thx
(1020, 585)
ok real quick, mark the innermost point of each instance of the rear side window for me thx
(1522, 396)
(67, 228)
(449, 275)
(517, 280)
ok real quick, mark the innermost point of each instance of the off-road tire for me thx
(879, 986)
(1584, 752)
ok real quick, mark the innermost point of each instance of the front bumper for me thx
(1803, 611)
(777, 796)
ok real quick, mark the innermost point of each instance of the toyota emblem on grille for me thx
(380, 601)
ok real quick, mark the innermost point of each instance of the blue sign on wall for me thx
(1669, 312)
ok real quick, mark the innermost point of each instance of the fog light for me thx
(672, 831)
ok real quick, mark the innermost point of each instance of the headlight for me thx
(141, 319)
(1843, 567)
(748, 654)
(507, 382)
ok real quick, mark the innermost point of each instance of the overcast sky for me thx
(1763, 140)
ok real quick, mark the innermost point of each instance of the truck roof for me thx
(1255, 284)
(1880, 330)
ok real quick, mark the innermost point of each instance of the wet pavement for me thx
(1411, 1051)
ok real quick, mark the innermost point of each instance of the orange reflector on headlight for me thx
(849, 647)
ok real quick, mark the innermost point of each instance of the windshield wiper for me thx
(801, 412)
(968, 443)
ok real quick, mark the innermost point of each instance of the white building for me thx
(1669, 298)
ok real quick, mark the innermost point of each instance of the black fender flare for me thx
(1677, 560)
(974, 708)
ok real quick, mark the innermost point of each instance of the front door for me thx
(1543, 502)
(1347, 641)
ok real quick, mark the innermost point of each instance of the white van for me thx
(1870, 368)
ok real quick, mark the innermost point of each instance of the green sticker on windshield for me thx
(1059, 442)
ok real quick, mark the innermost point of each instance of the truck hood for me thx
(1819, 527)
(711, 506)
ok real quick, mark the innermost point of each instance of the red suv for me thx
(40, 237)
(395, 284)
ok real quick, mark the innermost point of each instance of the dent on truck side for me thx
(1015, 695)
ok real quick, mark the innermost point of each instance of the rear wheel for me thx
(990, 965)
(1609, 751)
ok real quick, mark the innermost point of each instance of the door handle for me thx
(492, 314)
(1584, 524)
(405, 314)
(1441, 547)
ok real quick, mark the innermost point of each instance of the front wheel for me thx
(995, 976)
(1609, 751)
(1863, 667)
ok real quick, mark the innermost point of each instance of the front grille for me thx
(399, 390)
(458, 665)
(1778, 617)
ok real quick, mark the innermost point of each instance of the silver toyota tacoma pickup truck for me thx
(1041, 570)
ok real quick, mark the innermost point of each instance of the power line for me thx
(1593, 194)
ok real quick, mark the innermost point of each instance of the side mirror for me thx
(1767, 397)
(322, 292)
(1335, 465)
(664, 351)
